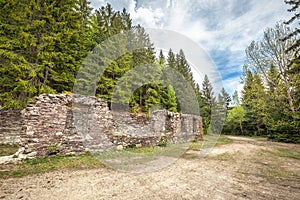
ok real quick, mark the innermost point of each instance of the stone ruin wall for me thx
(11, 124)
(64, 123)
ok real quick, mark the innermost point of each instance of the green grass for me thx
(51, 163)
(287, 153)
(223, 140)
(210, 141)
(6, 150)
(196, 146)
(114, 158)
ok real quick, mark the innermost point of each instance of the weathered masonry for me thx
(65, 123)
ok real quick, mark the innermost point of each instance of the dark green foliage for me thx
(219, 111)
(209, 103)
(16, 76)
(285, 131)
(224, 99)
(254, 105)
(41, 48)
(131, 48)
(169, 99)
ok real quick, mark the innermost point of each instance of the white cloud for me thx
(97, 3)
(148, 17)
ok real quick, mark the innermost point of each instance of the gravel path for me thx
(235, 171)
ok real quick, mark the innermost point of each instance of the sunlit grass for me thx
(50, 163)
(287, 153)
(6, 150)
(209, 142)
(113, 158)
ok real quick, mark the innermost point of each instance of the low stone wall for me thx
(64, 123)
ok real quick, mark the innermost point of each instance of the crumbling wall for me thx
(65, 123)
(160, 126)
(138, 129)
(11, 123)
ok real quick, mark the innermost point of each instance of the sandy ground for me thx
(244, 169)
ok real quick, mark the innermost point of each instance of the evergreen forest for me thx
(44, 43)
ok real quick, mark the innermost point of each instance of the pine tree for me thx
(295, 47)
(200, 98)
(179, 74)
(152, 99)
(40, 52)
(116, 28)
(219, 113)
(236, 98)
(17, 77)
(171, 59)
(86, 27)
(161, 59)
(183, 67)
(169, 99)
(224, 99)
(55, 49)
(208, 104)
(254, 103)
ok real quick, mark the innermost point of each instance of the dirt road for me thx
(244, 169)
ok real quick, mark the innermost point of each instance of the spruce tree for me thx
(169, 99)
(235, 98)
(17, 76)
(209, 102)
(224, 99)
(295, 47)
(254, 103)
(171, 59)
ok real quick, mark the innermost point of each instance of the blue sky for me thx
(223, 28)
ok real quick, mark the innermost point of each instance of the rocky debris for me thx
(120, 147)
(16, 157)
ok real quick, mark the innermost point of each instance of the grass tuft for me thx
(6, 149)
